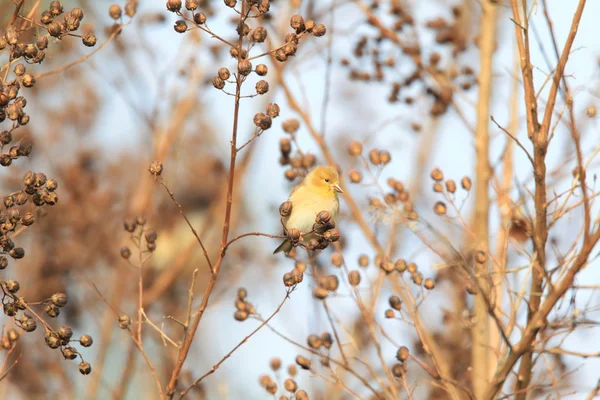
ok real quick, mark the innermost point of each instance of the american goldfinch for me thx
(317, 192)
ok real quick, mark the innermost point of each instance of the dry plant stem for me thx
(159, 180)
(190, 332)
(5, 373)
(480, 332)
(539, 136)
(138, 345)
(82, 59)
(240, 344)
(504, 205)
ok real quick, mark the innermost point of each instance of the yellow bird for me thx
(317, 192)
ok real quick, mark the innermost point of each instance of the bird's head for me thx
(326, 179)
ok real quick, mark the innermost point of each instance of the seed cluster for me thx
(376, 58)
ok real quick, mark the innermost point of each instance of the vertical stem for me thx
(189, 334)
(480, 331)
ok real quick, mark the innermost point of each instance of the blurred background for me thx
(148, 95)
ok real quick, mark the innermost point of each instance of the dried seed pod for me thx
(400, 265)
(290, 174)
(290, 385)
(52, 340)
(450, 186)
(174, 5)
(466, 183)
(363, 260)
(259, 34)
(332, 283)
(297, 23)
(355, 148)
(261, 70)
(303, 362)
(337, 259)
(69, 353)
(332, 235)
(288, 279)
(355, 176)
(240, 316)
(398, 370)
(314, 341)
(52, 310)
(180, 26)
(395, 302)
(323, 217)
(223, 73)
(3, 262)
(417, 278)
(88, 39)
(319, 293)
(480, 257)
(440, 208)
(124, 321)
(375, 157)
(115, 11)
(309, 160)
(385, 157)
(412, 268)
(273, 110)
(298, 275)
(389, 313)
(245, 67)
(301, 395)
(387, 266)
(150, 235)
(290, 125)
(59, 299)
(436, 174)
(262, 120)
(86, 340)
(429, 284)
(437, 187)
(275, 363)
(156, 168)
(285, 209)
(65, 332)
(319, 30)
(354, 277)
(85, 368)
(262, 87)
(200, 18)
(402, 353)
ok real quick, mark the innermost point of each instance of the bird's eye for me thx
(327, 180)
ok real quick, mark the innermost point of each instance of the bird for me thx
(317, 192)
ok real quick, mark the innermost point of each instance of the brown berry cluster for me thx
(295, 276)
(138, 229)
(24, 49)
(325, 285)
(322, 234)
(448, 188)
(244, 308)
(395, 30)
(300, 163)
(249, 37)
(290, 387)
(42, 191)
(26, 318)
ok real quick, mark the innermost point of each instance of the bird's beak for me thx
(338, 189)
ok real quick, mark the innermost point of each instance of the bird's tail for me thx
(285, 246)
